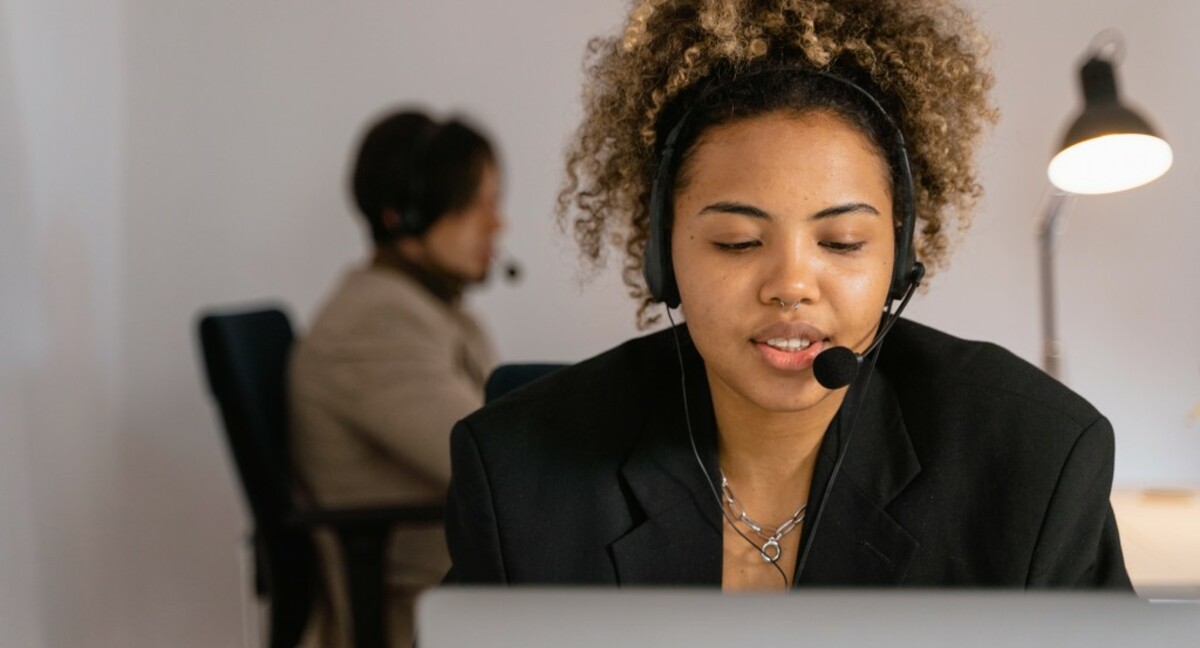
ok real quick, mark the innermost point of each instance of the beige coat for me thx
(376, 385)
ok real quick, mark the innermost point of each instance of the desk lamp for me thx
(1107, 148)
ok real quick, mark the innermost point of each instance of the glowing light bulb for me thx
(1110, 163)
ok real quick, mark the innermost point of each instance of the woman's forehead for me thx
(816, 147)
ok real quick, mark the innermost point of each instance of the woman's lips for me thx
(789, 360)
(789, 346)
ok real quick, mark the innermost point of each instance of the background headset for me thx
(414, 217)
(657, 267)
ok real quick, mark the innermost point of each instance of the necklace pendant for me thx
(771, 551)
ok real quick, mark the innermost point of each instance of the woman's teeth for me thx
(788, 344)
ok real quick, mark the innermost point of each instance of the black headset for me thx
(414, 218)
(657, 267)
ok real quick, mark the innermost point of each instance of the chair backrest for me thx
(246, 354)
(246, 357)
(508, 377)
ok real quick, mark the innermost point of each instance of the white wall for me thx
(161, 156)
(63, 106)
(19, 606)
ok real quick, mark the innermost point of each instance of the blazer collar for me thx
(856, 541)
(676, 537)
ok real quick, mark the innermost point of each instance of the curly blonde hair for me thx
(925, 58)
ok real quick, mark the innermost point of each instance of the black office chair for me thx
(246, 356)
(508, 377)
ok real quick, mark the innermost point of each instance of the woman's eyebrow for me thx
(848, 208)
(742, 209)
(728, 207)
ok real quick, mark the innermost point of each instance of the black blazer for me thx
(968, 467)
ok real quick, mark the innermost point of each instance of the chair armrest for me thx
(362, 534)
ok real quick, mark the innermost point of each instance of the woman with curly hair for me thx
(783, 171)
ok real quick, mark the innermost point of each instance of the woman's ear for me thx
(390, 220)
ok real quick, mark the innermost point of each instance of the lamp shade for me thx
(1108, 147)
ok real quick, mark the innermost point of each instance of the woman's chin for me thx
(800, 392)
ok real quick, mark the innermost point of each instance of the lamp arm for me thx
(1047, 237)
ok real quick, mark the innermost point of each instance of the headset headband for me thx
(413, 218)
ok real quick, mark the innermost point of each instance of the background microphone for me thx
(509, 265)
(512, 271)
(836, 367)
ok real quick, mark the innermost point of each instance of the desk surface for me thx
(1160, 535)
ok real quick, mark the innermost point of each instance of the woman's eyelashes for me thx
(736, 246)
(839, 247)
(843, 247)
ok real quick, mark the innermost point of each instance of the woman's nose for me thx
(496, 222)
(791, 279)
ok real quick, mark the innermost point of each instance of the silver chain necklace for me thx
(770, 549)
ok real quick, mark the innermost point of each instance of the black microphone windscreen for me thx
(512, 271)
(835, 368)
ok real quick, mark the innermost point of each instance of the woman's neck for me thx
(768, 458)
(769, 448)
(442, 286)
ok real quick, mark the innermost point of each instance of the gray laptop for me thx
(532, 617)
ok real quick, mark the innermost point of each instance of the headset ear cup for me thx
(657, 268)
(414, 220)
(670, 289)
(658, 271)
(652, 257)
(906, 270)
(903, 270)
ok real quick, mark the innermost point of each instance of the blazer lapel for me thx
(857, 543)
(676, 538)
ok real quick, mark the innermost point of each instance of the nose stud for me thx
(784, 305)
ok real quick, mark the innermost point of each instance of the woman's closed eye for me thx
(736, 246)
(843, 247)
